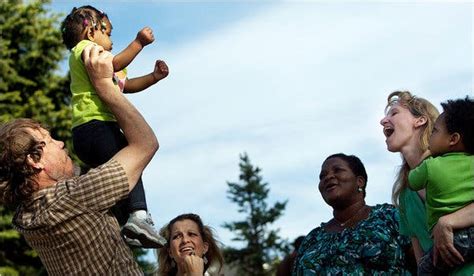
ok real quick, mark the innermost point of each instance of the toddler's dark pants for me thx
(95, 143)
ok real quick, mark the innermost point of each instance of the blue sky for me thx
(287, 82)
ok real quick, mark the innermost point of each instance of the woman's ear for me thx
(206, 248)
(361, 182)
(420, 121)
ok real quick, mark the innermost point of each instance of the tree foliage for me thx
(30, 52)
(263, 245)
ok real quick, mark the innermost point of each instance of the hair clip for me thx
(102, 14)
(103, 25)
(85, 22)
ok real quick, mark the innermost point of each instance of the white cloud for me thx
(289, 87)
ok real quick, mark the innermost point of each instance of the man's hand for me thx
(145, 36)
(161, 70)
(443, 243)
(98, 63)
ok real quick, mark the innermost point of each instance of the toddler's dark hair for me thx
(459, 117)
(74, 24)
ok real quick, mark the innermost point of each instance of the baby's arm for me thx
(124, 58)
(418, 177)
(141, 83)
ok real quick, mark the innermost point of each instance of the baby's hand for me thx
(145, 36)
(161, 70)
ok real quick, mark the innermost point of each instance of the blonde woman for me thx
(191, 248)
(407, 126)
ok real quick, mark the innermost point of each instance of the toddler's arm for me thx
(141, 83)
(124, 58)
(418, 177)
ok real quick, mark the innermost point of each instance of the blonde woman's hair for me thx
(418, 107)
(214, 256)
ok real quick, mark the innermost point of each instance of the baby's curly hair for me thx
(73, 26)
(459, 117)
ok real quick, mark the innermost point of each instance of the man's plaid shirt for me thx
(73, 231)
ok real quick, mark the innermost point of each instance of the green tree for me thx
(32, 86)
(30, 52)
(263, 245)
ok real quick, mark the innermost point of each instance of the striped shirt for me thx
(70, 226)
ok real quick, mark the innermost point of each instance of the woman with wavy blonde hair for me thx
(412, 145)
(191, 248)
(407, 126)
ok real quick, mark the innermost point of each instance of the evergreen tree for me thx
(263, 245)
(32, 86)
(30, 52)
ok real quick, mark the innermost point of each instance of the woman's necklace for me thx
(351, 219)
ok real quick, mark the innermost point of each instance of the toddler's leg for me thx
(95, 143)
(135, 202)
(426, 266)
(139, 230)
(464, 242)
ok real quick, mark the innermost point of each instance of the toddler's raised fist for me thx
(145, 36)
